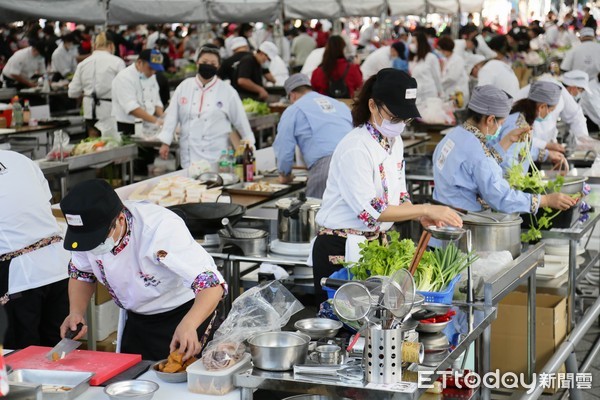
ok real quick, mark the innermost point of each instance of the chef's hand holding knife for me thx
(70, 323)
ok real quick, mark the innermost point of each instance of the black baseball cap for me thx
(89, 208)
(398, 91)
(154, 58)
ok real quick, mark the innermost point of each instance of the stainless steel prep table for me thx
(56, 168)
(252, 379)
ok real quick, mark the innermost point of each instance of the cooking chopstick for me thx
(419, 251)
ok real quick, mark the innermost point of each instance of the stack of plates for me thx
(593, 277)
(554, 267)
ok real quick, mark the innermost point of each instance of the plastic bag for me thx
(61, 144)
(430, 111)
(108, 130)
(264, 308)
(484, 269)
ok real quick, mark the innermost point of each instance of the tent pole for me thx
(106, 14)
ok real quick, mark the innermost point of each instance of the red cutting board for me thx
(103, 364)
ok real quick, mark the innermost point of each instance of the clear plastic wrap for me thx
(264, 308)
(61, 147)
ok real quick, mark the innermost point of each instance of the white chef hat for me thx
(576, 78)
(238, 42)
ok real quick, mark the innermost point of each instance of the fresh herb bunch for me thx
(435, 270)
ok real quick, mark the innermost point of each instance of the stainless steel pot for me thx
(296, 219)
(494, 236)
(248, 242)
(278, 351)
(573, 184)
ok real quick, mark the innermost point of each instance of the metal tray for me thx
(54, 383)
(243, 188)
(117, 155)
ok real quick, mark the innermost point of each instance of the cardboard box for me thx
(107, 319)
(509, 331)
(102, 295)
(109, 344)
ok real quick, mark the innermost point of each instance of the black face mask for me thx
(207, 71)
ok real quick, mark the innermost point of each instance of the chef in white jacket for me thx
(150, 264)
(454, 74)
(366, 187)
(205, 107)
(135, 92)
(567, 109)
(93, 80)
(33, 263)
(497, 73)
(64, 58)
(424, 66)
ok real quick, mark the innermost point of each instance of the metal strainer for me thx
(352, 301)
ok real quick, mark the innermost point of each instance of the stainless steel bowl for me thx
(133, 389)
(438, 308)
(318, 328)
(278, 351)
(446, 232)
(434, 341)
(175, 377)
(432, 327)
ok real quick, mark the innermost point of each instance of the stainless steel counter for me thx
(479, 316)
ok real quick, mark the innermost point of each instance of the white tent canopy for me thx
(84, 11)
(162, 11)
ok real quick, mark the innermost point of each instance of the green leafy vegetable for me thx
(253, 106)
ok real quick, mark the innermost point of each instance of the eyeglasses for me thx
(394, 119)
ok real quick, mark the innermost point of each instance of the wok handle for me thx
(337, 283)
(293, 210)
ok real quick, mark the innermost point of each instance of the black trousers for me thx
(151, 335)
(324, 247)
(35, 315)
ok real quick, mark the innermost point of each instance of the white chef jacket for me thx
(364, 178)
(428, 74)
(376, 61)
(499, 74)
(22, 62)
(483, 48)
(26, 218)
(96, 73)
(206, 114)
(454, 77)
(567, 38)
(279, 70)
(367, 34)
(590, 102)
(137, 274)
(584, 57)
(551, 34)
(314, 59)
(64, 61)
(151, 40)
(567, 109)
(130, 91)
(302, 45)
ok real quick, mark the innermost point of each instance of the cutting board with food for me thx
(104, 365)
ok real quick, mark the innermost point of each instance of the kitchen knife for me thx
(66, 345)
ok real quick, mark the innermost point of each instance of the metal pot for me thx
(494, 236)
(573, 184)
(247, 242)
(278, 351)
(296, 219)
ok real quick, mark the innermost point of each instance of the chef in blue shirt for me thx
(315, 123)
(467, 172)
(540, 102)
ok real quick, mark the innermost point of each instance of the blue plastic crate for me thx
(344, 274)
(443, 297)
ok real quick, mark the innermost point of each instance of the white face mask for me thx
(104, 247)
(266, 64)
(388, 129)
(412, 47)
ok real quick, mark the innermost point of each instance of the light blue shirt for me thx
(462, 172)
(315, 123)
(513, 154)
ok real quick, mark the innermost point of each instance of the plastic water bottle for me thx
(224, 165)
(17, 117)
(46, 84)
(231, 160)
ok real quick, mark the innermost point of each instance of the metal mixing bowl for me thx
(318, 328)
(133, 389)
(278, 351)
(175, 377)
(432, 327)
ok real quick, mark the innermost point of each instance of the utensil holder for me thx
(383, 355)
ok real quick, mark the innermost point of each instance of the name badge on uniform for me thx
(325, 105)
(444, 153)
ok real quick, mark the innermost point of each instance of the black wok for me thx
(205, 218)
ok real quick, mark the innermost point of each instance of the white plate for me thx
(551, 271)
(290, 249)
(562, 250)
